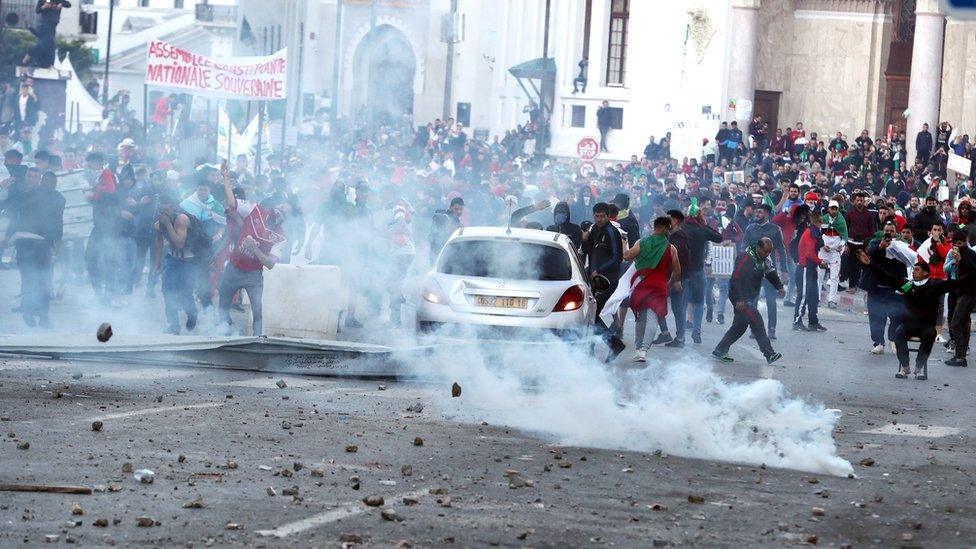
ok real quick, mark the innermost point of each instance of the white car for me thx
(508, 283)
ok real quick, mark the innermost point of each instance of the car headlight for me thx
(433, 294)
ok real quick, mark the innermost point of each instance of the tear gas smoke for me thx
(681, 407)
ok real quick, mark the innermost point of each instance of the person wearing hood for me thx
(923, 221)
(628, 222)
(562, 224)
(581, 210)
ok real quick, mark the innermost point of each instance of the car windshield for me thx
(505, 259)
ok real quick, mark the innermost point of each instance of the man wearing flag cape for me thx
(654, 270)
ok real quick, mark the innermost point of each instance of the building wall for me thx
(829, 67)
(958, 101)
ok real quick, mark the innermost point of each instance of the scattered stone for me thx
(415, 408)
(350, 538)
(76, 509)
(271, 491)
(524, 533)
(352, 448)
(418, 441)
(23, 445)
(812, 539)
(658, 507)
(374, 501)
(565, 464)
(144, 476)
(281, 384)
(410, 501)
(145, 522)
(354, 482)
(437, 491)
(96, 426)
(231, 464)
(515, 480)
(696, 499)
(444, 501)
(907, 536)
(317, 472)
(100, 523)
(285, 425)
(293, 491)
(547, 468)
(181, 458)
(660, 543)
(382, 387)
(233, 526)
(194, 504)
(387, 483)
(390, 515)
(51, 538)
(127, 467)
(298, 466)
(406, 470)
(818, 511)
(104, 332)
(77, 375)
(867, 462)
(264, 468)
(455, 390)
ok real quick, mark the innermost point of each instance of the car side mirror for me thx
(599, 283)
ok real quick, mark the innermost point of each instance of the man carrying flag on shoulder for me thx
(656, 268)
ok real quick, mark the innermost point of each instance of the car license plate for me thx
(501, 302)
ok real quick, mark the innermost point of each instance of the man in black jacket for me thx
(36, 227)
(922, 297)
(884, 306)
(603, 248)
(697, 236)
(760, 228)
(626, 219)
(603, 122)
(964, 259)
(923, 144)
(562, 224)
(923, 221)
(751, 267)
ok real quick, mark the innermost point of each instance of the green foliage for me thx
(16, 42)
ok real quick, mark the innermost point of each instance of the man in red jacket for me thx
(808, 244)
(861, 227)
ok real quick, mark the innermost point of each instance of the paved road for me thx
(187, 425)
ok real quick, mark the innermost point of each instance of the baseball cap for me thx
(833, 204)
(172, 175)
(127, 142)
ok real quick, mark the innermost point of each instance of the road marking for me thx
(157, 410)
(314, 521)
(912, 430)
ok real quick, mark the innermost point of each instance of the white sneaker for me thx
(640, 355)
(878, 350)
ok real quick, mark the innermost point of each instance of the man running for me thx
(657, 268)
(751, 268)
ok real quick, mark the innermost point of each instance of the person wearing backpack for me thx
(179, 248)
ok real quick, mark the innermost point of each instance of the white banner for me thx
(255, 78)
(959, 164)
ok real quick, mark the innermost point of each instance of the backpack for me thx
(198, 242)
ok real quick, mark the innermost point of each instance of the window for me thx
(178, 4)
(505, 259)
(616, 118)
(578, 117)
(617, 48)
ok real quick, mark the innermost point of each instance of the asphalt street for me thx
(239, 460)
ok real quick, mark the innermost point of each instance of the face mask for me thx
(586, 200)
(560, 218)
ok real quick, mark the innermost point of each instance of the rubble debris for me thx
(352, 448)
(293, 491)
(818, 511)
(96, 426)
(100, 523)
(181, 458)
(354, 482)
(127, 467)
(298, 466)
(390, 515)
(525, 533)
(867, 462)
(437, 491)
(231, 464)
(281, 384)
(23, 445)
(382, 387)
(347, 537)
(233, 526)
(271, 491)
(51, 538)
(77, 375)
(515, 480)
(194, 504)
(418, 441)
(387, 483)
(415, 408)
(455, 390)
(144, 476)
(145, 522)
(317, 472)
(696, 499)
(406, 470)
(50, 489)
(444, 501)
(374, 501)
(76, 509)
(658, 507)
(410, 501)
(104, 332)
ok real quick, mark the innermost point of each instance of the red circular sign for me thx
(587, 148)
(587, 169)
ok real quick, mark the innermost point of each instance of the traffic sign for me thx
(587, 149)
(587, 168)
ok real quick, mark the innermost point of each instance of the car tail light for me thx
(571, 300)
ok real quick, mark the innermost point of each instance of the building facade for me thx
(679, 67)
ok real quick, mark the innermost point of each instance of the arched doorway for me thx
(385, 66)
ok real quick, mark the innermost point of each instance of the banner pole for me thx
(229, 125)
(260, 149)
(145, 113)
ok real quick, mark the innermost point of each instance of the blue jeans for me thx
(693, 292)
(769, 293)
(723, 294)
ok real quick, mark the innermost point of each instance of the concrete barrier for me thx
(303, 301)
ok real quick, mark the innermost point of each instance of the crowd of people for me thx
(802, 220)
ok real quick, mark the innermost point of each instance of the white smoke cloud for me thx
(680, 407)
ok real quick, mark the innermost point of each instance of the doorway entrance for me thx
(385, 67)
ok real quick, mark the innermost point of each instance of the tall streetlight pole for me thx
(334, 107)
(108, 51)
(449, 71)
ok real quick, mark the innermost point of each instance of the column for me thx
(926, 78)
(744, 26)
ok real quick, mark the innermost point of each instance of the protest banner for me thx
(247, 78)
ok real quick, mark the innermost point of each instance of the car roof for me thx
(496, 233)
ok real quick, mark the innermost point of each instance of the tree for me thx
(16, 42)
